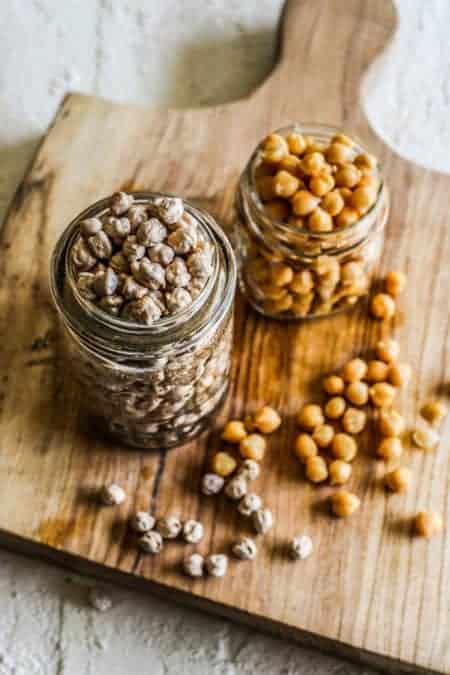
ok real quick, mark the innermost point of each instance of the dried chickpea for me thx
(365, 161)
(281, 275)
(348, 176)
(264, 186)
(285, 184)
(274, 148)
(390, 448)
(323, 435)
(382, 394)
(302, 304)
(428, 523)
(291, 164)
(223, 464)
(335, 407)
(344, 504)
(316, 469)
(277, 209)
(333, 202)
(313, 163)
(321, 184)
(398, 480)
(320, 221)
(281, 305)
(348, 216)
(354, 421)
(296, 143)
(253, 447)
(333, 384)
(272, 292)
(258, 269)
(342, 138)
(267, 420)
(394, 283)
(354, 370)
(357, 393)
(338, 153)
(304, 203)
(305, 447)
(302, 282)
(377, 371)
(390, 423)
(363, 198)
(400, 374)
(344, 447)
(339, 472)
(310, 416)
(434, 411)
(234, 431)
(382, 306)
(388, 350)
(297, 222)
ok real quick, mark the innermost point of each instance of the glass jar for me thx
(150, 386)
(291, 272)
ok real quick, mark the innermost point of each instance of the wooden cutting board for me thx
(370, 591)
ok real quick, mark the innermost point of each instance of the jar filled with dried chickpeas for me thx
(144, 284)
(311, 210)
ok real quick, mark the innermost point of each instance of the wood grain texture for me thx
(370, 591)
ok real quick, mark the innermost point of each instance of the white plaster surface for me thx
(178, 52)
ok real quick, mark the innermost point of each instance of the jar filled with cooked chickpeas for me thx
(311, 209)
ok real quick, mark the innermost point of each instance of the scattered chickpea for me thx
(388, 350)
(316, 469)
(434, 411)
(335, 407)
(398, 480)
(377, 371)
(357, 393)
(253, 447)
(344, 447)
(223, 464)
(304, 203)
(354, 421)
(305, 447)
(267, 420)
(323, 435)
(344, 504)
(339, 472)
(382, 394)
(390, 423)
(285, 184)
(400, 374)
(354, 370)
(382, 306)
(390, 448)
(428, 523)
(425, 438)
(394, 283)
(310, 416)
(234, 431)
(333, 384)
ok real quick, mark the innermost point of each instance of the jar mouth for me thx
(320, 132)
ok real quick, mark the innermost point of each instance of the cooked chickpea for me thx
(277, 209)
(354, 421)
(267, 420)
(434, 411)
(305, 447)
(223, 464)
(272, 292)
(253, 447)
(310, 416)
(283, 304)
(344, 447)
(264, 186)
(302, 304)
(357, 393)
(344, 139)
(320, 221)
(332, 203)
(377, 371)
(344, 504)
(292, 165)
(388, 350)
(335, 407)
(333, 384)
(382, 306)
(398, 480)
(428, 523)
(316, 469)
(321, 184)
(338, 153)
(234, 431)
(363, 198)
(285, 184)
(354, 370)
(369, 180)
(281, 275)
(400, 374)
(390, 448)
(346, 195)
(302, 282)
(274, 148)
(365, 161)
(382, 394)
(339, 472)
(347, 217)
(348, 176)
(304, 203)
(296, 143)
(390, 423)
(394, 283)
(323, 435)
(313, 163)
